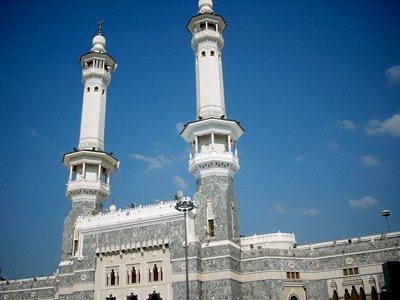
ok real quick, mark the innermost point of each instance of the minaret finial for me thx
(100, 27)
(206, 7)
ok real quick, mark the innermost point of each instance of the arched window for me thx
(154, 296)
(374, 293)
(96, 88)
(132, 296)
(294, 298)
(112, 277)
(133, 275)
(335, 295)
(362, 295)
(155, 273)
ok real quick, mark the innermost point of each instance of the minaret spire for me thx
(100, 27)
(207, 43)
(96, 76)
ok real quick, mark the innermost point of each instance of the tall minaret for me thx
(89, 166)
(207, 42)
(212, 138)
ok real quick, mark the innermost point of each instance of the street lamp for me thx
(386, 213)
(184, 205)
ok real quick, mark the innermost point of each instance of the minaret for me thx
(212, 138)
(89, 165)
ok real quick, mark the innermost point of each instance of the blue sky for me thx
(315, 84)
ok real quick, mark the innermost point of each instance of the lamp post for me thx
(386, 213)
(184, 205)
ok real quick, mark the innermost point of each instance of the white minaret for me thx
(89, 166)
(96, 75)
(207, 43)
(212, 138)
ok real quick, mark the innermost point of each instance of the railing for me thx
(138, 213)
(213, 155)
(95, 71)
(26, 280)
(363, 239)
(88, 184)
(208, 33)
(268, 239)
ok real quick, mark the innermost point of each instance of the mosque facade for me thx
(157, 251)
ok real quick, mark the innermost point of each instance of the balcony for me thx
(87, 188)
(208, 34)
(96, 72)
(214, 162)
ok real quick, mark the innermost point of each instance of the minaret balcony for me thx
(214, 162)
(207, 35)
(96, 72)
(82, 188)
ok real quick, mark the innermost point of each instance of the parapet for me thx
(277, 240)
(129, 215)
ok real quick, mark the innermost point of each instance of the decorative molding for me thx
(348, 260)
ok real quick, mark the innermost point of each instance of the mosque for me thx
(191, 248)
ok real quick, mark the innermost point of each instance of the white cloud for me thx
(153, 163)
(390, 126)
(299, 158)
(180, 182)
(371, 161)
(347, 125)
(364, 202)
(393, 74)
(32, 132)
(279, 209)
(179, 127)
(311, 212)
(334, 144)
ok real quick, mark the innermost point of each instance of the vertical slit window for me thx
(155, 273)
(211, 228)
(112, 277)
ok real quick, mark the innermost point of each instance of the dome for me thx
(113, 208)
(99, 43)
(205, 6)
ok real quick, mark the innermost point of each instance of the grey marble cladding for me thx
(218, 192)
(265, 289)
(32, 288)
